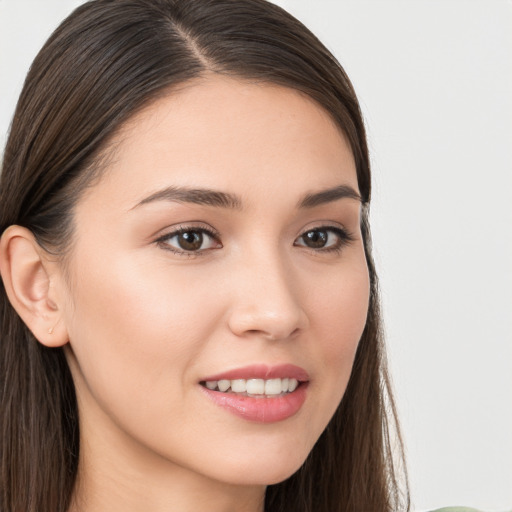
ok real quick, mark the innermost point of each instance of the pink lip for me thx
(262, 371)
(263, 410)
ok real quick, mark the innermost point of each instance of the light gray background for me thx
(435, 82)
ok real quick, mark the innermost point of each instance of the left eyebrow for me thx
(328, 196)
(202, 196)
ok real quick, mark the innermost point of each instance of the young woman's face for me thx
(217, 287)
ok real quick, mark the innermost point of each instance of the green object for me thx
(457, 509)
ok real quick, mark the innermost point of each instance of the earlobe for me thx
(29, 286)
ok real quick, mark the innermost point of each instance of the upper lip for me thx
(262, 371)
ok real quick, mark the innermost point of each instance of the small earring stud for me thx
(50, 330)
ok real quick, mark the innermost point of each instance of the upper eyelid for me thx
(345, 233)
(215, 234)
(161, 240)
(183, 227)
(326, 225)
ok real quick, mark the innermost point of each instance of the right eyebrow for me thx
(203, 196)
(329, 195)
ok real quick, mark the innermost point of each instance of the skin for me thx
(143, 325)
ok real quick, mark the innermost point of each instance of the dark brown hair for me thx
(105, 62)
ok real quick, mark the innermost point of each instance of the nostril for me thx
(277, 337)
(274, 335)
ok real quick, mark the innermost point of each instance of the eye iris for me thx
(190, 240)
(315, 239)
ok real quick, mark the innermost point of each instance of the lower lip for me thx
(262, 410)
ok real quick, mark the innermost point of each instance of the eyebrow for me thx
(328, 196)
(209, 197)
(203, 196)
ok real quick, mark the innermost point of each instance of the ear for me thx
(28, 277)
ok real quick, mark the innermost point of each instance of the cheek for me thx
(134, 329)
(340, 309)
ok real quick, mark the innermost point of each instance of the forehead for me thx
(225, 133)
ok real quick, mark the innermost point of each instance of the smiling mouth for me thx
(257, 388)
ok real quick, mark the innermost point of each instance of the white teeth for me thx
(292, 385)
(256, 386)
(269, 387)
(239, 386)
(224, 385)
(273, 387)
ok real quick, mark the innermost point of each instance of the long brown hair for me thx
(106, 61)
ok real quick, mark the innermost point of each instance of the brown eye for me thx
(324, 239)
(316, 239)
(189, 241)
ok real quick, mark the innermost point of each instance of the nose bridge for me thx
(267, 301)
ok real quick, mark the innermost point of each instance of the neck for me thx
(105, 491)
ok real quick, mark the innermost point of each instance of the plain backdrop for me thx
(435, 83)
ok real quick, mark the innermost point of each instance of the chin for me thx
(262, 478)
(261, 471)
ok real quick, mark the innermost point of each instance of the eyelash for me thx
(163, 240)
(344, 239)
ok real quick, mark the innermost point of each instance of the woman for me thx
(189, 306)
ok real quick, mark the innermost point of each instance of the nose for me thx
(266, 302)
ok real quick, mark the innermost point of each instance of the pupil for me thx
(315, 239)
(191, 240)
